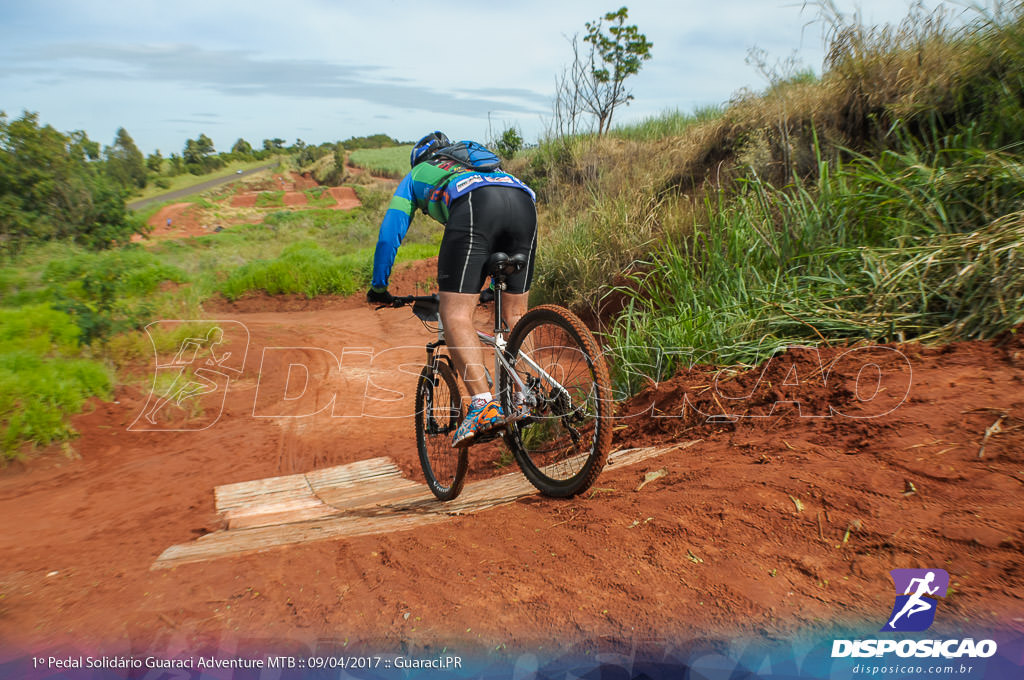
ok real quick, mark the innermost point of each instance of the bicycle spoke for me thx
(563, 443)
(438, 412)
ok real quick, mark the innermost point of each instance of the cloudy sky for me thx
(325, 70)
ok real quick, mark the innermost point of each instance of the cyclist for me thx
(483, 213)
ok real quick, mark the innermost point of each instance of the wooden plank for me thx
(242, 542)
(357, 499)
(375, 492)
(233, 496)
(293, 498)
(279, 513)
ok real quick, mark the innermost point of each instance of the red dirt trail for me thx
(182, 220)
(771, 525)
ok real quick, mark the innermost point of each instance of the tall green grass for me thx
(668, 124)
(40, 379)
(306, 268)
(908, 245)
(881, 201)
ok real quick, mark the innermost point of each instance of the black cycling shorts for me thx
(487, 220)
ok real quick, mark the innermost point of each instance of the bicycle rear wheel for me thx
(438, 413)
(563, 442)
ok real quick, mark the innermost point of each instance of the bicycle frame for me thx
(562, 457)
(497, 343)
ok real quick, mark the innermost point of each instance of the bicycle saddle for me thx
(501, 264)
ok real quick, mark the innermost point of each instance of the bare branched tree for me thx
(571, 88)
(594, 82)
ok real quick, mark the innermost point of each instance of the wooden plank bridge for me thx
(357, 499)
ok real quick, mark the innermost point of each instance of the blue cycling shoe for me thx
(483, 418)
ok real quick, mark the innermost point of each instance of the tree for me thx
(376, 141)
(83, 147)
(126, 165)
(594, 82)
(199, 155)
(49, 188)
(275, 144)
(509, 143)
(242, 148)
(155, 162)
(177, 165)
(568, 105)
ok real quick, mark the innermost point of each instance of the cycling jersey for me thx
(431, 186)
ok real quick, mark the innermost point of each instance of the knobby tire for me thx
(438, 414)
(564, 444)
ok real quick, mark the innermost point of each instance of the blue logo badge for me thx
(915, 606)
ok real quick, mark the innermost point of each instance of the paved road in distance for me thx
(195, 188)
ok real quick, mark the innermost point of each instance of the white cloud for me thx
(333, 69)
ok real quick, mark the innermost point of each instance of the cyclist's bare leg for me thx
(460, 336)
(513, 307)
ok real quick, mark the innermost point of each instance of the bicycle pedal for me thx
(489, 436)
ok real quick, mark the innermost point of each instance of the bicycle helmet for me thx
(427, 147)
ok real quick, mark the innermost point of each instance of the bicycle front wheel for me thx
(438, 414)
(560, 428)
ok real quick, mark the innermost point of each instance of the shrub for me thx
(37, 394)
(108, 292)
(270, 199)
(308, 269)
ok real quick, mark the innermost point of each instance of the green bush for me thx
(39, 329)
(37, 395)
(40, 383)
(308, 269)
(110, 291)
(270, 199)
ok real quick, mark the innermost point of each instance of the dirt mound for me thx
(294, 187)
(814, 476)
(178, 220)
(407, 278)
(244, 200)
(182, 220)
(303, 182)
(345, 198)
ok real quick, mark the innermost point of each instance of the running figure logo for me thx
(914, 610)
(198, 365)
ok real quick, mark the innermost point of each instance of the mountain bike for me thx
(551, 380)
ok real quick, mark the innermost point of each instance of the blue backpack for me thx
(472, 155)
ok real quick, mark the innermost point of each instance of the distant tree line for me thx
(56, 185)
(369, 142)
(199, 157)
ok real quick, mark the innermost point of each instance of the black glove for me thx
(486, 295)
(379, 296)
